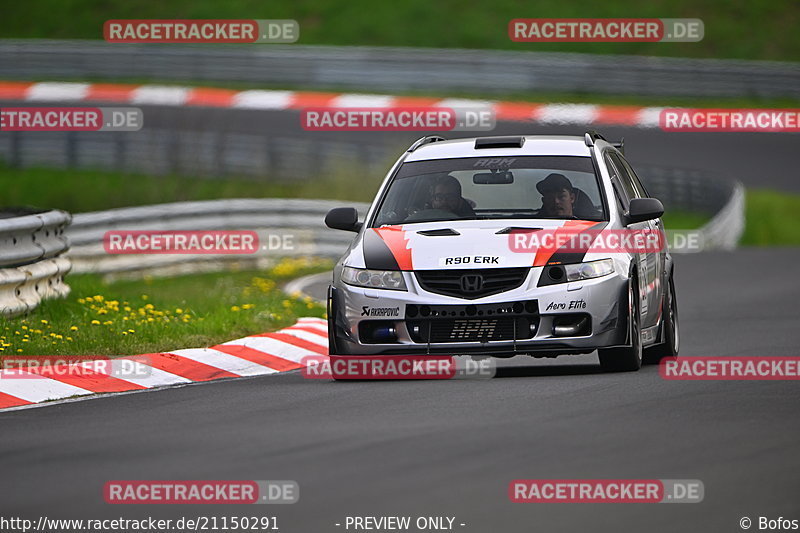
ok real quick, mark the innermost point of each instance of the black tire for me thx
(672, 338)
(627, 358)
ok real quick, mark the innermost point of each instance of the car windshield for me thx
(554, 187)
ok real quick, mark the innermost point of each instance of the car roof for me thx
(541, 145)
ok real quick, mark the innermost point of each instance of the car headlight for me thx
(374, 279)
(592, 269)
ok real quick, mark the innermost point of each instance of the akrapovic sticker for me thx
(380, 311)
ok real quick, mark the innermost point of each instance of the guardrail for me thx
(304, 221)
(693, 191)
(208, 152)
(398, 69)
(31, 269)
(32, 244)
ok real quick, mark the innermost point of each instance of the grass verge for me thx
(733, 29)
(86, 190)
(152, 315)
(683, 220)
(772, 218)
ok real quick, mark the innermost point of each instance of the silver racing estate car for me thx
(539, 245)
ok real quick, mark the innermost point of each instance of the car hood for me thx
(457, 244)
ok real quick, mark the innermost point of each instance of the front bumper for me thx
(567, 318)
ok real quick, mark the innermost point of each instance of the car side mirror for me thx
(642, 209)
(344, 218)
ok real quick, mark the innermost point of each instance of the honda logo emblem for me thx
(471, 282)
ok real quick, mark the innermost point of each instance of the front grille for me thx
(453, 282)
(471, 329)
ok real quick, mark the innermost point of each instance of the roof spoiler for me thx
(425, 140)
(591, 136)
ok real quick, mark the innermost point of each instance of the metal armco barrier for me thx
(31, 268)
(696, 192)
(397, 69)
(303, 220)
(31, 244)
(158, 151)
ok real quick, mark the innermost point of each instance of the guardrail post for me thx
(72, 149)
(16, 149)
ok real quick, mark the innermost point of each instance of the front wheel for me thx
(627, 358)
(672, 338)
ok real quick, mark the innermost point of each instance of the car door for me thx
(652, 261)
(624, 186)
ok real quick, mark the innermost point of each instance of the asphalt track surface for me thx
(451, 448)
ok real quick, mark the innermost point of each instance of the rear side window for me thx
(637, 184)
(624, 176)
(622, 195)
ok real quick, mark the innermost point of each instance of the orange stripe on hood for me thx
(544, 254)
(397, 241)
